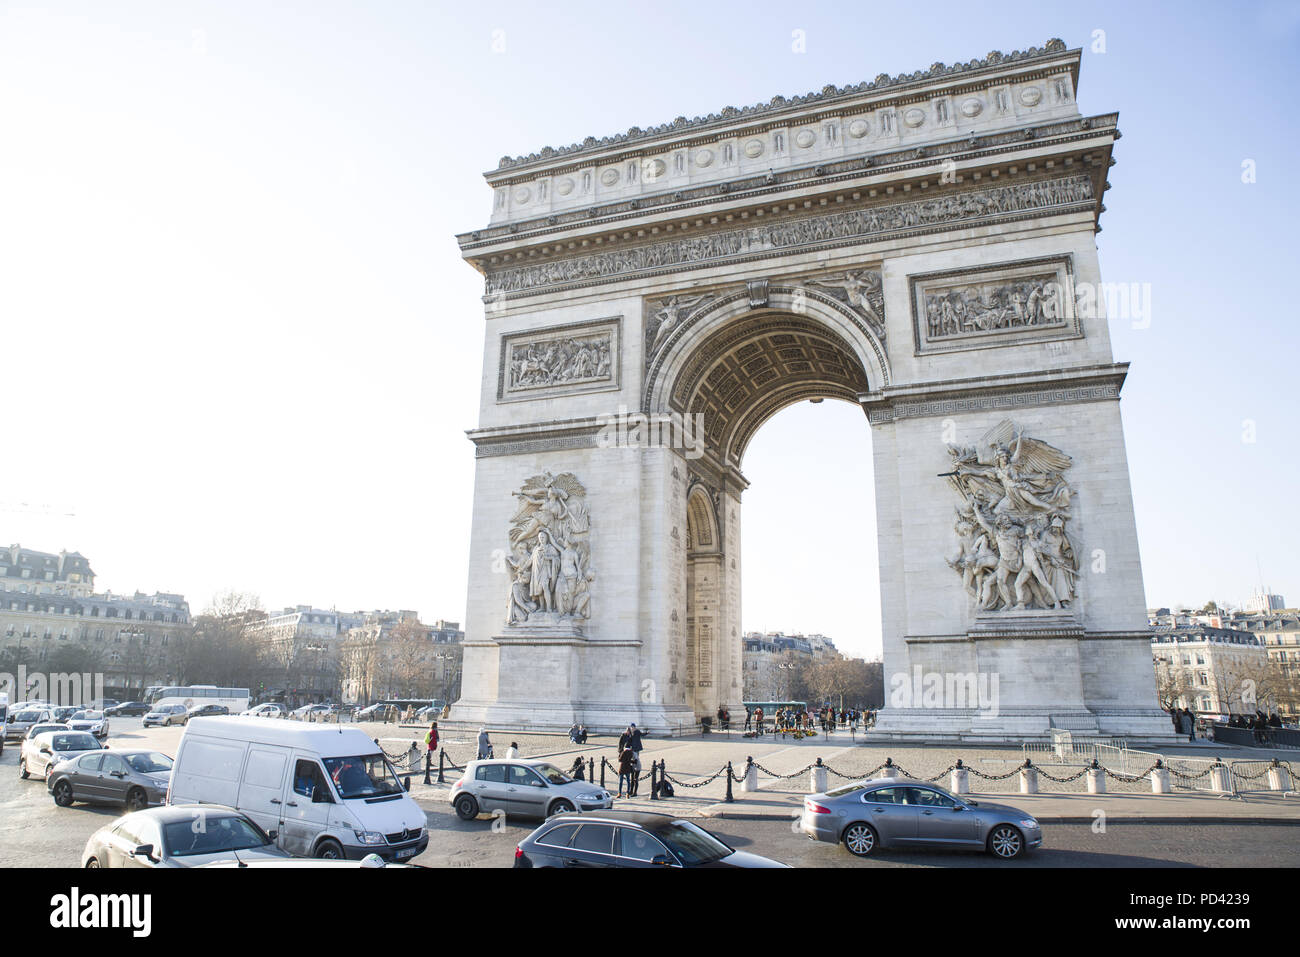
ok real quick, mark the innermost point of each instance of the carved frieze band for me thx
(970, 206)
(983, 403)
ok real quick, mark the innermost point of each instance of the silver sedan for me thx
(897, 812)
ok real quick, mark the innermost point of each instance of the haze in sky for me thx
(240, 348)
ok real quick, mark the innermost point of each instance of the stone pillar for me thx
(817, 779)
(1096, 780)
(1029, 780)
(1159, 780)
(1278, 779)
(751, 779)
(958, 781)
(1220, 778)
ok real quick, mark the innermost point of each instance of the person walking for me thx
(431, 741)
(484, 744)
(758, 720)
(626, 771)
(579, 770)
(631, 740)
(513, 750)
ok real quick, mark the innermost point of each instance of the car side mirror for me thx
(273, 834)
(959, 807)
(143, 850)
(46, 751)
(662, 860)
(406, 783)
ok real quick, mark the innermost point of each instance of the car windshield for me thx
(28, 716)
(212, 834)
(552, 774)
(74, 742)
(149, 762)
(364, 776)
(88, 716)
(693, 845)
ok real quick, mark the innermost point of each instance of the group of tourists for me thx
(802, 719)
(1259, 722)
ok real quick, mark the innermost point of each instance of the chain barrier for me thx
(698, 784)
(1132, 778)
(993, 777)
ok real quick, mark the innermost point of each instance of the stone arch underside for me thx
(752, 368)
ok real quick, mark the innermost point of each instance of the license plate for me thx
(406, 852)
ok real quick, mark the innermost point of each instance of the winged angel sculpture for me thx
(1013, 548)
(550, 551)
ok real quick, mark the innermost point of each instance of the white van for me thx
(322, 790)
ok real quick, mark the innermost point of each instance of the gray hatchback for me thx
(897, 812)
(135, 779)
(524, 788)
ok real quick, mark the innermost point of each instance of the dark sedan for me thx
(129, 708)
(628, 839)
(206, 711)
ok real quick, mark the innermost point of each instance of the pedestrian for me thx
(758, 720)
(513, 750)
(626, 771)
(579, 770)
(573, 734)
(582, 734)
(484, 744)
(631, 739)
(749, 718)
(431, 739)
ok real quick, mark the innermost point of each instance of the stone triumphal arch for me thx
(920, 246)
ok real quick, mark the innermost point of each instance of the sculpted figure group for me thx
(1013, 549)
(550, 551)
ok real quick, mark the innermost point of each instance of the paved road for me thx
(36, 833)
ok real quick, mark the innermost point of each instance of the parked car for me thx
(374, 712)
(96, 722)
(269, 710)
(167, 837)
(307, 710)
(135, 778)
(42, 751)
(128, 709)
(898, 812)
(629, 839)
(206, 711)
(21, 721)
(526, 788)
(165, 715)
(326, 790)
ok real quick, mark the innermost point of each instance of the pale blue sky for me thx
(241, 347)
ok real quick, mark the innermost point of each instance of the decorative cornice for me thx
(1057, 387)
(1039, 197)
(829, 95)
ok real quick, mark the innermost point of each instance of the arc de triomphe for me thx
(920, 245)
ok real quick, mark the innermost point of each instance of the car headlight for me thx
(593, 796)
(1029, 822)
(369, 837)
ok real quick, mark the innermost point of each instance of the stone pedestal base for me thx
(1014, 725)
(549, 677)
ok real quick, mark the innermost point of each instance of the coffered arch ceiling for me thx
(750, 370)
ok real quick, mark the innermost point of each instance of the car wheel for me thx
(860, 839)
(93, 863)
(136, 800)
(466, 807)
(63, 794)
(560, 807)
(22, 768)
(1006, 842)
(329, 850)
(49, 768)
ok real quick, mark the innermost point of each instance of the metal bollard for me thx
(442, 757)
(1028, 778)
(1160, 778)
(959, 779)
(654, 787)
(602, 771)
(729, 799)
(428, 766)
(1096, 778)
(591, 770)
(817, 782)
